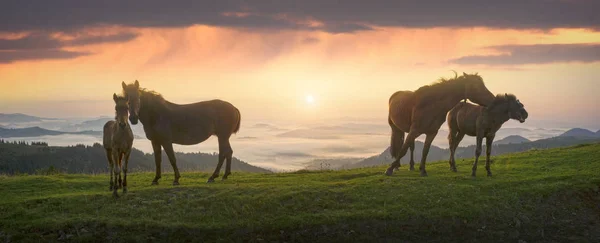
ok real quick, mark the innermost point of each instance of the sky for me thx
(302, 61)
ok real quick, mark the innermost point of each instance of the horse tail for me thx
(397, 140)
(239, 121)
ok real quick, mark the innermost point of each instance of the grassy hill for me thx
(538, 195)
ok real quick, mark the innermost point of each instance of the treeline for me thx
(21, 157)
(2, 141)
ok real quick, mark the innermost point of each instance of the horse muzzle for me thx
(133, 120)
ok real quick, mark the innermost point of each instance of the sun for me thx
(310, 99)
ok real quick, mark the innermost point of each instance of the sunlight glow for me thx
(310, 99)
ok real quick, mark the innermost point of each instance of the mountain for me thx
(25, 158)
(18, 117)
(436, 153)
(91, 125)
(512, 139)
(580, 133)
(38, 131)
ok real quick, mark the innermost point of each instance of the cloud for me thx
(330, 16)
(40, 46)
(45, 41)
(22, 55)
(535, 54)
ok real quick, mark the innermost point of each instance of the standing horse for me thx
(424, 111)
(166, 123)
(480, 122)
(118, 140)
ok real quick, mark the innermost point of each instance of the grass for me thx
(540, 195)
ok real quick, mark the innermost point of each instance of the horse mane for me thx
(442, 85)
(501, 99)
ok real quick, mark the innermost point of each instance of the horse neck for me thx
(150, 105)
(496, 115)
(452, 94)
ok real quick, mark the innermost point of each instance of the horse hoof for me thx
(154, 183)
(115, 194)
(489, 174)
(176, 183)
(453, 170)
(423, 173)
(473, 175)
(389, 172)
(124, 189)
(412, 168)
(224, 178)
(210, 180)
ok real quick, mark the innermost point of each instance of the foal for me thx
(480, 122)
(118, 140)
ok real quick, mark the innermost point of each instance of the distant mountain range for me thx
(512, 139)
(580, 132)
(18, 117)
(510, 144)
(38, 132)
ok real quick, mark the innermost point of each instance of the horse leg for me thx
(412, 157)
(125, 171)
(477, 154)
(396, 142)
(222, 155)
(228, 158)
(171, 154)
(488, 151)
(110, 167)
(455, 144)
(120, 166)
(116, 171)
(428, 140)
(410, 138)
(157, 160)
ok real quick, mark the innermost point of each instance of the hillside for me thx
(22, 158)
(539, 195)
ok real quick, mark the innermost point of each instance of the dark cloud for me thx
(535, 54)
(22, 55)
(45, 41)
(40, 46)
(337, 16)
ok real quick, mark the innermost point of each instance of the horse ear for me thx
(115, 97)
(464, 74)
(124, 85)
(137, 84)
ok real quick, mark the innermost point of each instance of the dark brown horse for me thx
(424, 111)
(480, 122)
(166, 123)
(118, 140)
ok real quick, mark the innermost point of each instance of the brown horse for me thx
(480, 122)
(424, 111)
(118, 140)
(166, 123)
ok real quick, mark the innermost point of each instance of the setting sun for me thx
(310, 99)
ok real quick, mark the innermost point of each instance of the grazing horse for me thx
(424, 111)
(166, 123)
(480, 122)
(118, 140)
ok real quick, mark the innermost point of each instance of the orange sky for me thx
(268, 73)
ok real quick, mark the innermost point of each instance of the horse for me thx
(480, 122)
(424, 111)
(118, 141)
(166, 123)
